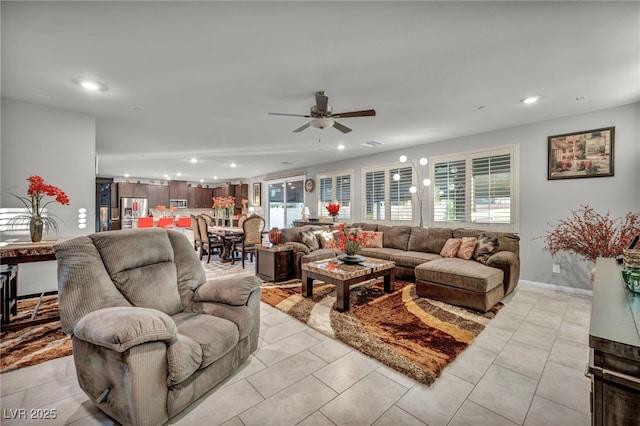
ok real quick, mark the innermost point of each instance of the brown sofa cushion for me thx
(460, 273)
(428, 240)
(396, 237)
(411, 259)
(309, 239)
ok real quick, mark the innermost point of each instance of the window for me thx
(475, 189)
(335, 188)
(386, 194)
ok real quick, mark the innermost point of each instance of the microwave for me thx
(180, 204)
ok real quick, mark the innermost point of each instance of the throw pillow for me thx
(467, 247)
(327, 240)
(308, 238)
(487, 245)
(374, 239)
(451, 247)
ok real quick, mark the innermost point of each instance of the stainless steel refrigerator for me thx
(132, 208)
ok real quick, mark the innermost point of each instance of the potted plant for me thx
(35, 204)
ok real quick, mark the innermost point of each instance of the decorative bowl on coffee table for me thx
(351, 259)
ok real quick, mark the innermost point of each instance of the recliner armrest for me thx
(120, 328)
(505, 258)
(229, 289)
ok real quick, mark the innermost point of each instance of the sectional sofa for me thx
(477, 283)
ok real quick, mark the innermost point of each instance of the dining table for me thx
(229, 236)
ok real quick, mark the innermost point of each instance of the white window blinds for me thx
(476, 188)
(335, 188)
(386, 194)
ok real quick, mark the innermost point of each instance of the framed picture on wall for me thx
(257, 194)
(581, 154)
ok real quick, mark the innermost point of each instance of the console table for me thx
(614, 338)
(12, 254)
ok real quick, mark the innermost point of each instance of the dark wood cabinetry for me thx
(199, 198)
(132, 190)
(178, 190)
(614, 339)
(274, 263)
(158, 195)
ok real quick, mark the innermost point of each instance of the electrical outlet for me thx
(556, 269)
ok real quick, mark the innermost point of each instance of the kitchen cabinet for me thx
(158, 195)
(178, 190)
(132, 190)
(199, 198)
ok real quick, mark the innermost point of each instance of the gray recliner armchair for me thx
(150, 334)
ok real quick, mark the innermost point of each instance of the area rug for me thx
(413, 335)
(35, 344)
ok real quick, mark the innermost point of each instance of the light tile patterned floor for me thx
(525, 368)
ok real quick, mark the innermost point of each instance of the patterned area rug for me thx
(413, 335)
(36, 344)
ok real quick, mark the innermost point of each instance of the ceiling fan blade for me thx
(341, 127)
(289, 115)
(363, 113)
(301, 128)
(322, 101)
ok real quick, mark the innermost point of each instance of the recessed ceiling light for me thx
(341, 146)
(215, 177)
(232, 165)
(127, 175)
(193, 160)
(530, 100)
(201, 180)
(178, 174)
(90, 85)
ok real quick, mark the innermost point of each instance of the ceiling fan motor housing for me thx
(317, 114)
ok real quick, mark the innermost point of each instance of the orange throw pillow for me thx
(374, 239)
(467, 247)
(451, 247)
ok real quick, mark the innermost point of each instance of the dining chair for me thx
(211, 242)
(196, 232)
(252, 229)
(145, 222)
(165, 222)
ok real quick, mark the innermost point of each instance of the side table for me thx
(274, 263)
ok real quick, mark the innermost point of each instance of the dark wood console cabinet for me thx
(614, 338)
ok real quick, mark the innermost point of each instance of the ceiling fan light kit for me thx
(321, 114)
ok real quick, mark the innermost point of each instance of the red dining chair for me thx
(184, 222)
(145, 222)
(165, 222)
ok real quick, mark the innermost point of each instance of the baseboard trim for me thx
(555, 287)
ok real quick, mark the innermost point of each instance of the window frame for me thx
(468, 157)
(387, 168)
(334, 177)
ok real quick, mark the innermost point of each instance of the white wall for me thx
(58, 145)
(541, 201)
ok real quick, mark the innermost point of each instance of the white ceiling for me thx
(197, 79)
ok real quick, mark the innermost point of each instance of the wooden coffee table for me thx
(341, 275)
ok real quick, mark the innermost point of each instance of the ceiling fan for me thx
(323, 117)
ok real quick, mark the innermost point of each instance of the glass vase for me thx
(35, 228)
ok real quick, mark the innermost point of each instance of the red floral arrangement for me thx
(36, 192)
(590, 235)
(333, 209)
(224, 202)
(350, 241)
